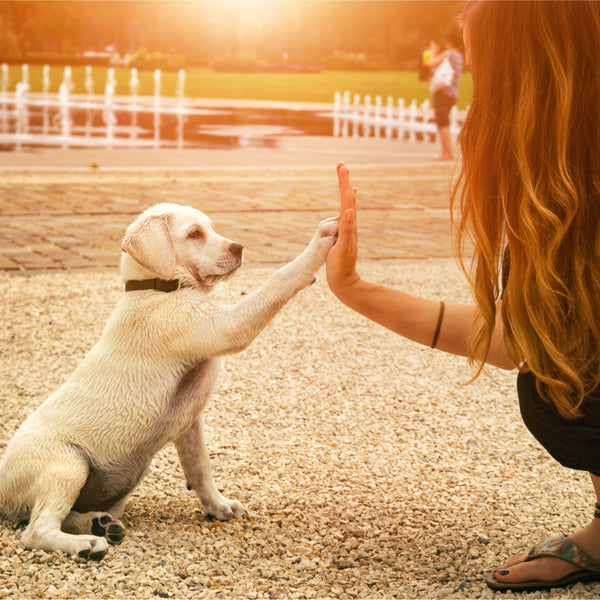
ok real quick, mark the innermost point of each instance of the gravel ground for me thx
(368, 468)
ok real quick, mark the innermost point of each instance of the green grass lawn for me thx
(283, 87)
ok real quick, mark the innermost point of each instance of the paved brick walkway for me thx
(65, 218)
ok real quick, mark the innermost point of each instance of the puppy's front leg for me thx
(195, 461)
(301, 271)
(239, 325)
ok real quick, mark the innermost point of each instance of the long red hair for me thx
(530, 180)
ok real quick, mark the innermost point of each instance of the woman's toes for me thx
(540, 569)
(514, 560)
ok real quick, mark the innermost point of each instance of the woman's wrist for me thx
(346, 289)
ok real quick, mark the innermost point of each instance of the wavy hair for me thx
(530, 180)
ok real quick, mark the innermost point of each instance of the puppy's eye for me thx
(196, 234)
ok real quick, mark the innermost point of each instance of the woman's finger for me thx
(347, 193)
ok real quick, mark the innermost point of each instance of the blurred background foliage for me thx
(225, 35)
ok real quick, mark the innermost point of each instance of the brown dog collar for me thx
(160, 285)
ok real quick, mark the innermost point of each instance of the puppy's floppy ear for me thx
(148, 242)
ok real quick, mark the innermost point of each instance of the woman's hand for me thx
(341, 260)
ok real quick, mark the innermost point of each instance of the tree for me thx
(391, 32)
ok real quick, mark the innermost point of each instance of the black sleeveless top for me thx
(573, 443)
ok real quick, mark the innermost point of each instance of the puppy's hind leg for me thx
(104, 524)
(58, 486)
(101, 524)
(195, 461)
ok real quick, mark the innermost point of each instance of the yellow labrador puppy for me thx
(72, 463)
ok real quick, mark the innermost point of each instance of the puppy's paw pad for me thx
(86, 555)
(96, 550)
(97, 556)
(111, 529)
(115, 533)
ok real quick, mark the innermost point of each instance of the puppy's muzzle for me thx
(230, 260)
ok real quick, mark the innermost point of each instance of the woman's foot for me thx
(516, 570)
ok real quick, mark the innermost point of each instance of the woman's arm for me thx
(409, 316)
(437, 59)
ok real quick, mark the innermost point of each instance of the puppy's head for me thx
(178, 242)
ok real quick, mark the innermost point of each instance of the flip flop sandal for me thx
(589, 570)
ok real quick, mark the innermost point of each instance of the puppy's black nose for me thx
(236, 249)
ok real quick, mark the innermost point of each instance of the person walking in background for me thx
(528, 239)
(447, 67)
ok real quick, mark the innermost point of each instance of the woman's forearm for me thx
(411, 317)
(416, 319)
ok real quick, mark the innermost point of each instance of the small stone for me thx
(345, 564)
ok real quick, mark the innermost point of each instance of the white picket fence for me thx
(365, 118)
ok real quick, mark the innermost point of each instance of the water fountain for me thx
(64, 92)
(157, 78)
(89, 88)
(108, 116)
(180, 106)
(45, 98)
(4, 83)
(25, 75)
(70, 118)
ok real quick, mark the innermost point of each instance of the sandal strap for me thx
(567, 550)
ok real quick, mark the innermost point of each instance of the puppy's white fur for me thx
(72, 463)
